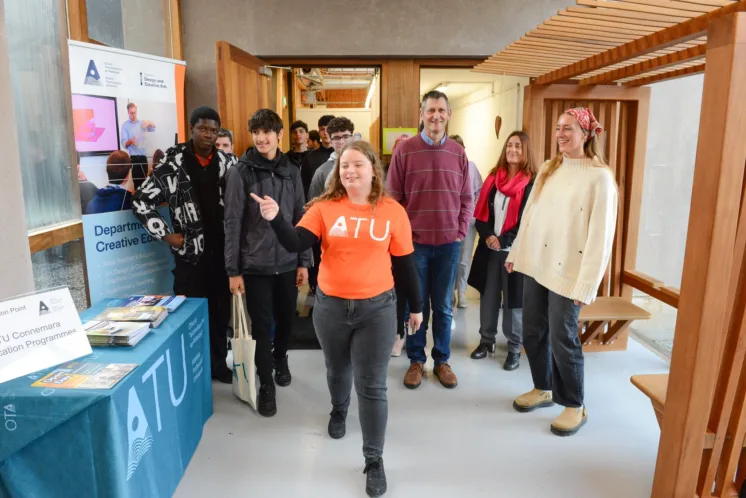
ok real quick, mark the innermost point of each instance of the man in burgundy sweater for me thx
(429, 176)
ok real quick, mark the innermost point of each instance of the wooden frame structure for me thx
(618, 46)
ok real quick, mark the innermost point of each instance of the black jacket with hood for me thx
(251, 245)
(170, 183)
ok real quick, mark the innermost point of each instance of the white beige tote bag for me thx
(244, 346)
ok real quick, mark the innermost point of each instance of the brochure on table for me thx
(76, 375)
(39, 331)
(130, 102)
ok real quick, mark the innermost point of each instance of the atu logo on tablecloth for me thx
(139, 437)
(91, 76)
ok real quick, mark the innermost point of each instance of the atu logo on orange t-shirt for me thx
(357, 243)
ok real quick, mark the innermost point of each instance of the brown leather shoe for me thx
(446, 376)
(413, 377)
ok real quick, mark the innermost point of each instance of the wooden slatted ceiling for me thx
(596, 26)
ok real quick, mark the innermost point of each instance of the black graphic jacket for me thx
(251, 246)
(170, 183)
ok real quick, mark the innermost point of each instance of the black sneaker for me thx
(481, 351)
(375, 484)
(512, 362)
(282, 372)
(266, 404)
(337, 424)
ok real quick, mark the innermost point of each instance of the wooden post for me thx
(77, 19)
(636, 119)
(533, 120)
(175, 39)
(716, 198)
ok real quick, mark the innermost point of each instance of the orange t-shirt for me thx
(357, 243)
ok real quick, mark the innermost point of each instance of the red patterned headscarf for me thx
(587, 121)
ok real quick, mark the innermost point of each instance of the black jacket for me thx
(311, 163)
(251, 245)
(478, 272)
(170, 183)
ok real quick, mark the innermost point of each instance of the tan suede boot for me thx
(570, 421)
(532, 400)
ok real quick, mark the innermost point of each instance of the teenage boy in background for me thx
(340, 132)
(255, 261)
(191, 179)
(299, 143)
(315, 159)
(225, 141)
(314, 140)
(311, 163)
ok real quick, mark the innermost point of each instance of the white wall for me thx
(361, 118)
(474, 119)
(669, 172)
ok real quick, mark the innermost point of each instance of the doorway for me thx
(352, 92)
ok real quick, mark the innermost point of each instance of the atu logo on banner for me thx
(39, 331)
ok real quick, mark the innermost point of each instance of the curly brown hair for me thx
(336, 191)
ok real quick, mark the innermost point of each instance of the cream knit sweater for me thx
(567, 233)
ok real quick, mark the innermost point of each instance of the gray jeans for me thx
(553, 347)
(464, 264)
(356, 336)
(495, 297)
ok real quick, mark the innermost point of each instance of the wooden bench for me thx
(617, 313)
(654, 386)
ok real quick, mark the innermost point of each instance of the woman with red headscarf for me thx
(562, 249)
(498, 217)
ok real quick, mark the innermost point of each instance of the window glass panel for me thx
(38, 76)
(105, 22)
(136, 25)
(62, 266)
(669, 171)
(658, 332)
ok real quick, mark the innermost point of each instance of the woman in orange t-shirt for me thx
(364, 234)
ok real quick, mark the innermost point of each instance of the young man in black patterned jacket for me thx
(191, 180)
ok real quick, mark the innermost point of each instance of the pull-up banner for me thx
(128, 109)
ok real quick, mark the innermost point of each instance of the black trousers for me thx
(268, 298)
(208, 279)
(553, 348)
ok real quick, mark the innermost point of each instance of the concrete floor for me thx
(467, 442)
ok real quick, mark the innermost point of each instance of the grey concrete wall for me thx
(144, 25)
(337, 28)
(16, 276)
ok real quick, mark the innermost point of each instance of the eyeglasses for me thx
(343, 137)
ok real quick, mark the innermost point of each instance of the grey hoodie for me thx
(321, 177)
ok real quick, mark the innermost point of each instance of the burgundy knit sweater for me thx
(432, 183)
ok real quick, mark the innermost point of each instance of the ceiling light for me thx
(441, 88)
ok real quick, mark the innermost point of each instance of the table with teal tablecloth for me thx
(134, 440)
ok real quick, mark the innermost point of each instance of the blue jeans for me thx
(437, 267)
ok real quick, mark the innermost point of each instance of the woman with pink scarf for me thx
(498, 217)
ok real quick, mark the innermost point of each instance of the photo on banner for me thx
(127, 110)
